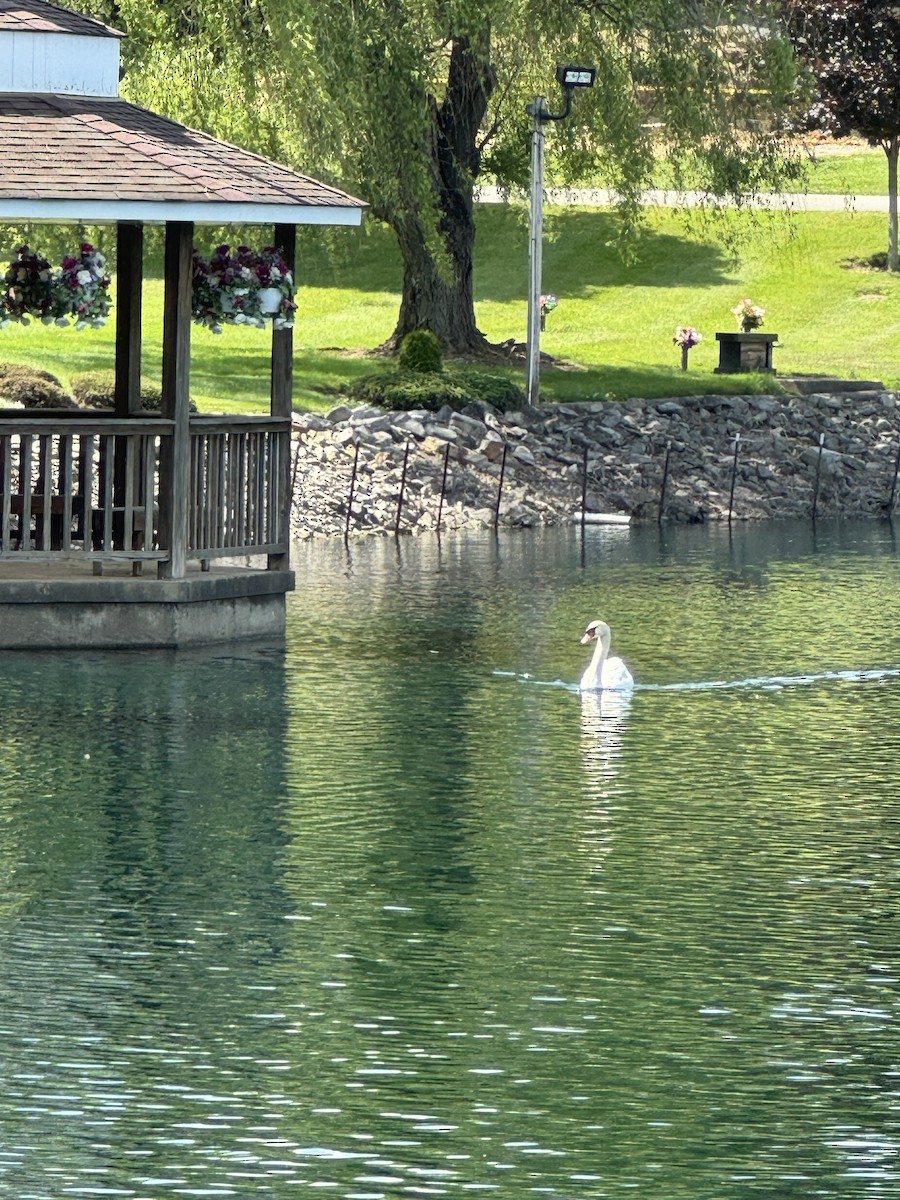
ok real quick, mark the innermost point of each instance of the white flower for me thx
(46, 320)
(62, 321)
(274, 274)
(84, 278)
(81, 324)
(239, 319)
(246, 273)
(4, 323)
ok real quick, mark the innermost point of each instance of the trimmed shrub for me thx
(32, 388)
(420, 351)
(499, 391)
(403, 390)
(96, 389)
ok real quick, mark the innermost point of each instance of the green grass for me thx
(863, 174)
(614, 323)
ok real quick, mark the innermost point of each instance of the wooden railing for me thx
(239, 486)
(80, 484)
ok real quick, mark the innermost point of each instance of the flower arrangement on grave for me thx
(547, 304)
(78, 289)
(687, 337)
(749, 315)
(243, 287)
(82, 288)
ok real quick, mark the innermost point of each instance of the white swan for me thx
(603, 672)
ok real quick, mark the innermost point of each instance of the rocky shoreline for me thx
(835, 452)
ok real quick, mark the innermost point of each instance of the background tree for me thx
(852, 50)
(410, 104)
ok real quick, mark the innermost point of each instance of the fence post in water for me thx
(584, 487)
(443, 486)
(402, 488)
(352, 489)
(818, 475)
(894, 484)
(500, 486)
(665, 480)
(734, 462)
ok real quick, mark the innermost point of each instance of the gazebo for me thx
(128, 528)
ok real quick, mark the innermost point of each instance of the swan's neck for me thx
(594, 672)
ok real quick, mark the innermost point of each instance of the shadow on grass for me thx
(581, 252)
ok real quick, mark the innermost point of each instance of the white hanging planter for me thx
(269, 301)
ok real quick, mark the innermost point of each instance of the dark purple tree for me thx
(852, 49)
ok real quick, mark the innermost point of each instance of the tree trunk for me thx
(892, 150)
(439, 295)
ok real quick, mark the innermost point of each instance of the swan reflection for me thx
(604, 720)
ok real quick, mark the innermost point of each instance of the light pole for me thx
(568, 78)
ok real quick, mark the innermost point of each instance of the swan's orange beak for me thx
(588, 637)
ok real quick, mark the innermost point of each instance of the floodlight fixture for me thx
(572, 77)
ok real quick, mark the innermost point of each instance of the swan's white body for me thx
(603, 672)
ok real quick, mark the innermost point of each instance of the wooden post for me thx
(175, 451)
(127, 394)
(129, 281)
(281, 402)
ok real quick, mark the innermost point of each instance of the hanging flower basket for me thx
(243, 287)
(78, 290)
(83, 288)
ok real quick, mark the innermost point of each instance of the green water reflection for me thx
(379, 916)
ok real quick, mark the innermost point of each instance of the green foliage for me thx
(420, 351)
(457, 387)
(411, 103)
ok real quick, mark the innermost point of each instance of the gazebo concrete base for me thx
(67, 606)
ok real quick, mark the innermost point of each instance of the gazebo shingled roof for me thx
(42, 16)
(61, 152)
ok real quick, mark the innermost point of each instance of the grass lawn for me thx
(615, 321)
(863, 174)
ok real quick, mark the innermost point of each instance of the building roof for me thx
(76, 158)
(32, 16)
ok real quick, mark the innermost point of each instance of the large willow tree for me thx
(409, 103)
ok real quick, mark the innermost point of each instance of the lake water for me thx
(395, 912)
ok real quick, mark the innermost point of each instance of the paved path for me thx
(792, 201)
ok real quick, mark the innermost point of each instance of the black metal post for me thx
(894, 484)
(584, 486)
(294, 469)
(815, 505)
(402, 488)
(665, 480)
(734, 463)
(352, 489)
(443, 486)
(500, 487)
